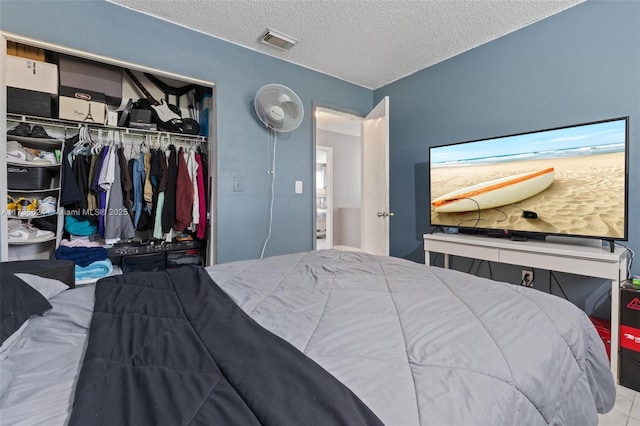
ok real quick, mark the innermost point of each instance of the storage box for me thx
(140, 116)
(630, 337)
(23, 101)
(29, 178)
(143, 262)
(93, 76)
(85, 106)
(25, 51)
(32, 75)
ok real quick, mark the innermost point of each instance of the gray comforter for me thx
(424, 345)
(417, 344)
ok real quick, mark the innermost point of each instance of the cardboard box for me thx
(25, 51)
(82, 105)
(22, 101)
(92, 76)
(32, 75)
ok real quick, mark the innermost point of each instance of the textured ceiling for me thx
(367, 42)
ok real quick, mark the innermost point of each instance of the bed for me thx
(347, 336)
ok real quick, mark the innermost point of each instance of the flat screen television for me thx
(569, 181)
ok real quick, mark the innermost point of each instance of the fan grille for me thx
(278, 107)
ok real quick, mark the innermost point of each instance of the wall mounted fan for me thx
(278, 107)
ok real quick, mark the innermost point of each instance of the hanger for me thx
(96, 147)
(83, 146)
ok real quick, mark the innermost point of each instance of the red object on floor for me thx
(603, 327)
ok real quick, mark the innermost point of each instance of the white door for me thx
(375, 214)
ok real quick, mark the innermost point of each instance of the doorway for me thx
(359, 203)
(338, 179)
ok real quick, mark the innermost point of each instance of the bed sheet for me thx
(39, 372)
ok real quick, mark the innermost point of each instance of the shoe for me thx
(22, 129)
(38, 131)
(12, 206)
(27, 208)
(46, 157)
(22, 232)
(13, 224)
(48, 205)
(16, 153)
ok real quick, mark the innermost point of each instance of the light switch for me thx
(238, 184)
(298, 187)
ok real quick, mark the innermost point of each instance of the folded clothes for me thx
(80, 242)
(97, 269)
(81, 256)
(79, 226)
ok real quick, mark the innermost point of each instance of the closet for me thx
(103, 153)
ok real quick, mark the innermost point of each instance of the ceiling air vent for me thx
(278, 40)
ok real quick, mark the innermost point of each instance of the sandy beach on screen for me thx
(585, 198)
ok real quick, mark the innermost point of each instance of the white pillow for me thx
(47, 287)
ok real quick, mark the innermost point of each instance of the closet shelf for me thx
(34, 191)
(27, 164)
(71, 125)
(36, 143)
(34, 241)
(38, 216)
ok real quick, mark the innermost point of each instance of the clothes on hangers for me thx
(70, 193)
(118, 225)
(155, 191)
(126, 182)
(202, 224)
(184, 194)
(169, 207)
(192, 167)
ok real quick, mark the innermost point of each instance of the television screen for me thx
(566, 181)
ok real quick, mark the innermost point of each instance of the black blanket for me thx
(172, 348)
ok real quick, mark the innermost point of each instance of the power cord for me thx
(272, 192)
(630, 256)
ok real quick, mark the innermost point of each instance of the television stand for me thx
(591, 261)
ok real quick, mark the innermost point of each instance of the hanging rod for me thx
(70, 125)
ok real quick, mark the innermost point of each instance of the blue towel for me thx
(97, 269)
(81, 256)
(79, 226)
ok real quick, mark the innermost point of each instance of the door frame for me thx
(318, 107)
(328, 193)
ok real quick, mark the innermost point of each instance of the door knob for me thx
(384, 214)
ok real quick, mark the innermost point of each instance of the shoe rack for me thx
(28, 183)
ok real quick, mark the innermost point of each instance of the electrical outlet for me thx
(527, 278)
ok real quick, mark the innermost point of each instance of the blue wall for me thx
(580, 65)
(116, 32)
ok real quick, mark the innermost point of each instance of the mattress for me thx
(416, 344)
